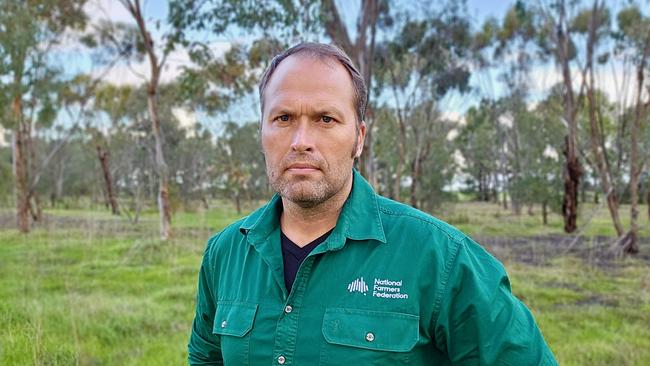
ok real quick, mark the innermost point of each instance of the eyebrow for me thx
(327, 110)
(330, 110)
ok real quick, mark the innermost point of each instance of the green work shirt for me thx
(391, 285)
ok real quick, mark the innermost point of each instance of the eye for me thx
(327, 119)
(283, 118)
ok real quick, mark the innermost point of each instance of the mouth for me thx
(302, 168)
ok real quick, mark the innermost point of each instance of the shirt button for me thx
(223, 324)
(281, 360)
(288, 309)
(370, 337)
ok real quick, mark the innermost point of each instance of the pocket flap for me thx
(234, 318)
(375, 330)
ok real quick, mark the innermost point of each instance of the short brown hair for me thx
(321, 50)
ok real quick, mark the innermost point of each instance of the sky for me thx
(77, 59)
(453, 106)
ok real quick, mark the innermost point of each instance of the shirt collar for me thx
(359, 218)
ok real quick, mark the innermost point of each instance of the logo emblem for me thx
(358, 285)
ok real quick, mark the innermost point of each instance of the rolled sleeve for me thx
(480, 321)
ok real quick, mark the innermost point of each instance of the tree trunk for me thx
(19, 152)
(516, 207)
(415, 179)
(367, 159)
(164, 208)
(572, 169)
(204, 200)
(237, 202)
(647, 198)
(480, 184)
(545, 213)
(58, 185)
(103, 157)
(596, 133)
(572, 173)
(161, 166)
(632, 246)
(495, 189)
(35, 206)
(401, 150)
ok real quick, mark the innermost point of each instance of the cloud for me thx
(616, 79)
(99, 10)
(155, 16)
(454, 116)
(186, 118)
(138, 73)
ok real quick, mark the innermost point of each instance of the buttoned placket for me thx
(287, 326)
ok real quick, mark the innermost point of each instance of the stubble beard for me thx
(304, 192)
(308, 193)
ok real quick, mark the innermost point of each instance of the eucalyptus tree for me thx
(425, 60)
(476, 142)
(241, 162)
(513, 52)
(157, 59)
(113, 102)
(634, 35)
(28, 33)
(555, 36)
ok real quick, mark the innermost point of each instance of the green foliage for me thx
(478, 143)
(518, 22)
(26, 33)
(429, 51)
(114, 41)
(241, 162)
(582, 21)
(217, 81)
(632, 23)
(217, 16)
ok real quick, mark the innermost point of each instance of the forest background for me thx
(129, 134)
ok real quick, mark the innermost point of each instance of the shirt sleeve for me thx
(204, 346)
(480, 321)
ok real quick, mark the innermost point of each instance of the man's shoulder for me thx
(227, 234)
(233, 231)
(410, 218)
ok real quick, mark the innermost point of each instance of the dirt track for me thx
(536, 250)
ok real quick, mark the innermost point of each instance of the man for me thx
(328, 272)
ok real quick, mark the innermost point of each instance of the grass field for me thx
(86, 288)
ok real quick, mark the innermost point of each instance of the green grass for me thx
(489, 219)
(589, 315)
(101, 291)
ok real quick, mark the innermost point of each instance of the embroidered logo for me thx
(358, 285)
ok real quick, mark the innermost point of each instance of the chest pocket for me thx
(368, 337)
(233, 322)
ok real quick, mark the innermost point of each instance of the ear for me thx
(361, 137)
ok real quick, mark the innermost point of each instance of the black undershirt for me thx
(294, 255)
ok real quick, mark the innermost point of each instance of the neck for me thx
(304, 225)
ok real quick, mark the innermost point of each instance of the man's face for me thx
(309, 131)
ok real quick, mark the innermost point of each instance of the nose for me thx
(303, 138)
